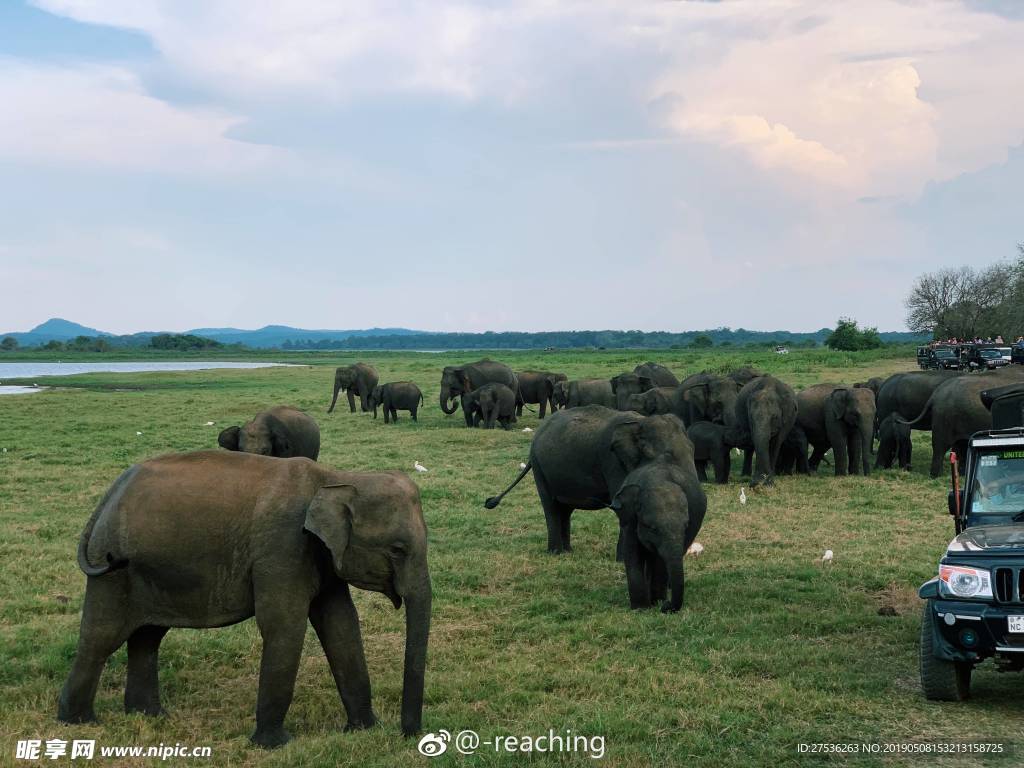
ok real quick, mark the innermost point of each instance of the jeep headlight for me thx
(960, 581)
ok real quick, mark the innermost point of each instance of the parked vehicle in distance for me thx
(1017, 354)
(939, 358)
(982, 358)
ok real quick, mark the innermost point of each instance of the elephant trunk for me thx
(334, 400)
(444, 404)
(866, 430)
(674, 566)
(417, 633)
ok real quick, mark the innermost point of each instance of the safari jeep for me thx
(974, 608)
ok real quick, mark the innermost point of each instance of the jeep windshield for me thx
(944, 353)
(998, 488)
(989, 354)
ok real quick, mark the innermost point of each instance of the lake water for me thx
(30, 370)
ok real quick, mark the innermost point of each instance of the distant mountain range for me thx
(270, 336)
(287, 337)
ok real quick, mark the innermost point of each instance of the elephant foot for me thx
(150, 709)
(360, 723)
(270, 738)
(76, 718)
(667, 607)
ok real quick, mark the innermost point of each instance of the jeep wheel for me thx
(941, 680)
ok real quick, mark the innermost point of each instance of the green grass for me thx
(770, 651)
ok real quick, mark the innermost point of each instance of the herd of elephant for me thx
(211, 538)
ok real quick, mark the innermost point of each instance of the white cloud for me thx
(100, 116)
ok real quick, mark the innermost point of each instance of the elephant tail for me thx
(112, 563)
(494, 501)
(921, 417)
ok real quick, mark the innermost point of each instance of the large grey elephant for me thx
(590, 392)
(706, 397)
(583, 458)
(652, 402)
(659, 374)
(396, 396)
(281, 431)
(744, 375)
(955, 411)
(905, 394)
(874, 384)
(489, 404)
(625, 385)
(765, 413)
(356, 379)
(840, 418)
(538, 388)
(459, 380)
(210, 538)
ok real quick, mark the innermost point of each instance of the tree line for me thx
(969, 302)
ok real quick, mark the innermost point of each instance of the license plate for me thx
(1016, 623)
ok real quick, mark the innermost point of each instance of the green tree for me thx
(702, 341)
(848, 337)
(9, 343)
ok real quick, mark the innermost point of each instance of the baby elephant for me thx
(395, 396)
(281, 431)
(894, 444)
(710, 444)
(490, 403)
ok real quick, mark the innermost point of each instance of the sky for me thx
(493, 165)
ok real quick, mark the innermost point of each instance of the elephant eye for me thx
(398, 549)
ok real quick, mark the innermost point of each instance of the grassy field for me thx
(771, 650)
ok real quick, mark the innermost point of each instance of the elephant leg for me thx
(282, 624)
(816, 456)
(142, 690)
(636, 579)
(351, 400)
(412, 412)
(748, 461)
(554, 512)
(940, 444)
(334, 617)
(702, 469)
(658, 577)
(542, 407)
(722, 468)
(364, 399)
(103, 630)
(565, 528)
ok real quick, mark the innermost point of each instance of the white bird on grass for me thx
(527, 429)
(138, 434)
(419, 467)
(209, 423)
(695, 549)
(827, 557)
(522, 464)
(743, 496)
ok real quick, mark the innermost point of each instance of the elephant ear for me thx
(329, 518)
(280, 444)
(837, 401)
(646, 383)
(625, 503)
(615, 384)
(626, 444)
(467, 385)
(228, 438)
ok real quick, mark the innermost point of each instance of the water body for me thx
(30, 370)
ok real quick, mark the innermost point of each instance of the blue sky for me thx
(501, 166)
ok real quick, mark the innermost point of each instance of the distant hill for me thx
(287, 337)
(54, 329)
(277, 335)
(269, 336)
